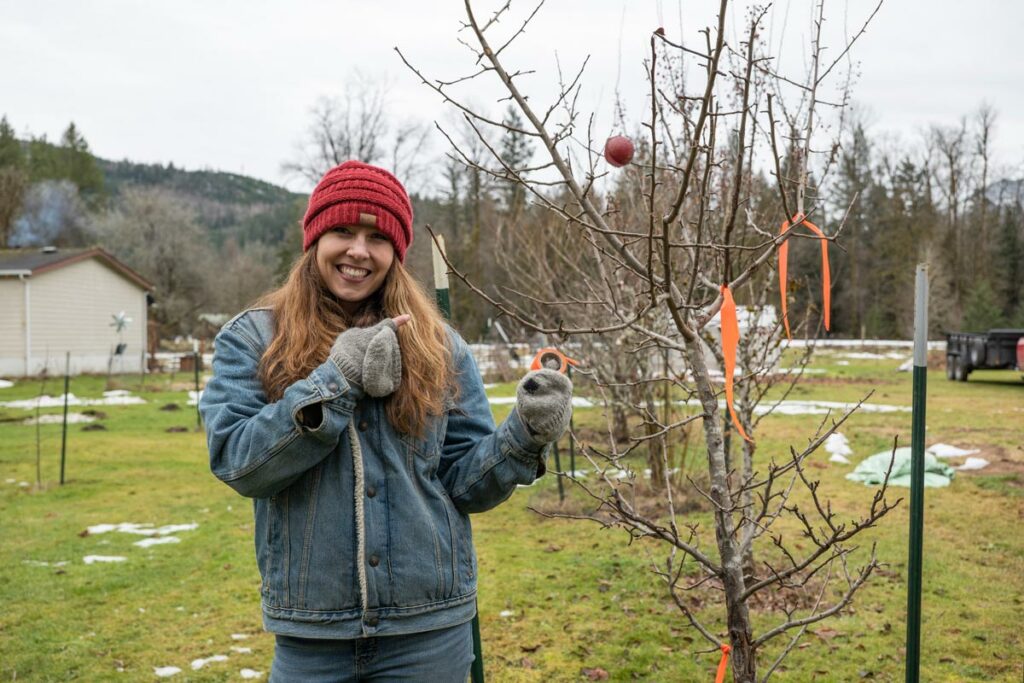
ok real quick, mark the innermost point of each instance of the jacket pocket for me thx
(425, 453)
(452, 563)
(275, 551)
(312, 489)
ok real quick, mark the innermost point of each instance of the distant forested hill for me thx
(226, 204)
(215, 185)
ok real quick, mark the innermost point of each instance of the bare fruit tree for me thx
(642, 265)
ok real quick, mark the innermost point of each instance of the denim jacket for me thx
(360, 530)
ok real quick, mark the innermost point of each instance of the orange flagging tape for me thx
(730, 340)
(826, 277)
(722, 663)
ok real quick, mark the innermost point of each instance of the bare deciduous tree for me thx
(359, 125)
(643, 266)
(155, 232)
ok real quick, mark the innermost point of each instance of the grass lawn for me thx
(557, 597)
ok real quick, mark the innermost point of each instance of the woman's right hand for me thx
(370, 357)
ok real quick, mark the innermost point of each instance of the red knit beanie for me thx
(355, 193)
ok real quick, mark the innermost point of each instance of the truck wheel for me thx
(950, 367)
(962, 369)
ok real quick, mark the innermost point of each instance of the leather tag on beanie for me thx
(368, 219)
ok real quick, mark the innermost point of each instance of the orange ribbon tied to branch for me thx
(722, 663)
(826, 277)
(730, 340)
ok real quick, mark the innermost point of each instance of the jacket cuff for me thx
(331, 389)
(517, 442)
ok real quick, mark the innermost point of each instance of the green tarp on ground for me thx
(871, 470)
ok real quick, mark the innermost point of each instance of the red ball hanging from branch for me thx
(618, 151)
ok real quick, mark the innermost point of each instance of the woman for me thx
(358, 422)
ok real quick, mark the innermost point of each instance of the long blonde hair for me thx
(308, 318)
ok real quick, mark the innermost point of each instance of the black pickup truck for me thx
(992, 350)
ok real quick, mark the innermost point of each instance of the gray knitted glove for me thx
(370, 357)
(544, 402)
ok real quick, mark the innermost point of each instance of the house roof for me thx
(14, 262)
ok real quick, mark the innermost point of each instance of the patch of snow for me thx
(39, 563)
(793, 371)
(73, 418)
(906, 366)
(506, 613)
(146, 542)
(841, 459)
(862, 343)
(241, 650)
(842, 362)
(974, 464)
(4, 384)
(784, 408)
(115, 393)
(944, 450)
(863, 355)
(193, 397)
(250, 673)
(23, 484)
(175, 528)
(11, 481)
(837, 444)
(577, 401)
(198, 664)
(141, 529)
(239, 636)
(46, 401)
(165, 671)
(813, 407)
(90, 559)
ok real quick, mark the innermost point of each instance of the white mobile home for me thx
(54, 301)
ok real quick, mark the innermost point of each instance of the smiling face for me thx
(353, 261)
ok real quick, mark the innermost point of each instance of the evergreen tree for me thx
(516, 152)
(13, 180)
(854, 201)
(11, 153)
(76, 163)
(982, 310)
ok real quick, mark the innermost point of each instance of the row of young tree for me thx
(940, 199)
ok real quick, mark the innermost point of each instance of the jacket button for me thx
(332, 386)
(372, 621)
(363, 426)
(374, 560)
(371, 492)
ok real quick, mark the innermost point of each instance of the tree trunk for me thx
(744, 663)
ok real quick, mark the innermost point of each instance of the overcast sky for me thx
(228, 85)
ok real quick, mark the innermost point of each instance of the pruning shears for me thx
(552, 359)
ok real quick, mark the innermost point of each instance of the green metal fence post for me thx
(913, 665)
(64, 432)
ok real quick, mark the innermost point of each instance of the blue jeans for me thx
(442, 656)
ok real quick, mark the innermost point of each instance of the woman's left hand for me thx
(544, 402)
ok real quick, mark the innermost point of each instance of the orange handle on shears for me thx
(552, 359)
(826, 277)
